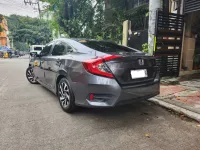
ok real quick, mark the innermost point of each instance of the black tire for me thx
(66, 96)
(30, 76)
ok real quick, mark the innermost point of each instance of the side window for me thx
(59, 49)
(46, 50)
(68, 48)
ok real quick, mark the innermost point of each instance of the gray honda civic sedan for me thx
(91, 73)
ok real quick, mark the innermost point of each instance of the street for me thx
(32, 119)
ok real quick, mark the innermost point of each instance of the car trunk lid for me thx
(126, 67)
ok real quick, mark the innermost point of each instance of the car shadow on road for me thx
(139, 114)
(139, 111)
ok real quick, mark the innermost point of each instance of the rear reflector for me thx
(98, 67)
(91, 97)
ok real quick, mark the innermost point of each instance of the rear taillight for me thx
(98, 67)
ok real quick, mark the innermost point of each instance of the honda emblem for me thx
(141, 62)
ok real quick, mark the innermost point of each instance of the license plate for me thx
(136, 74)
(35, 63)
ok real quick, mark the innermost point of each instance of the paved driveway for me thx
(31, 119)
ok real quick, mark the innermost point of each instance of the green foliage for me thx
(78, 19)
(84, 18)
(145, 48)
(139, 17)
(1, 18)
(90, 19)
(196, 59)
(21, 46)
(1, 29)
(28, 30)
(114, 24)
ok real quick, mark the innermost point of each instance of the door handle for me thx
(58, 62)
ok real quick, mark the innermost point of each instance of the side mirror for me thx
(38, 55)
(34, 54)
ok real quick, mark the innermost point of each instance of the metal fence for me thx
(169, 32)
(191, 6)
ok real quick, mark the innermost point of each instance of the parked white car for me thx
(36, 48)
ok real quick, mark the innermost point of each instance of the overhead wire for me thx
(19, 6)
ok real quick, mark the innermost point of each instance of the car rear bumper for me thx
(125, 95)
(108, 93)
(144, 92)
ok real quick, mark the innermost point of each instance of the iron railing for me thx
(169, 32)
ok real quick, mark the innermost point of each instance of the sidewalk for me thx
(183, 97)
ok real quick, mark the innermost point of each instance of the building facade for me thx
(135, 11)
(4, 40)
(181, 47)
(190, 57)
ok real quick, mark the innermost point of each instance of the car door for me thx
(39, 70)
(60, 51)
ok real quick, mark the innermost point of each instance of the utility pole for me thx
(154, 5)
(37, 3)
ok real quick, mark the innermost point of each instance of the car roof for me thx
(82, 39)
(75, 39)
(38, 45)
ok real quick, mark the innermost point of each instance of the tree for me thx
(21, 46)
(78, 18)
(89, 18)
(28, 30)
(1, 28)
(1, 18)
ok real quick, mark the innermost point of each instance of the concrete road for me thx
(31, 119)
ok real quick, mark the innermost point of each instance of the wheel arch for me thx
(61, 74)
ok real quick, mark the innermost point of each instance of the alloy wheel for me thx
(64, 94)
(30, 75)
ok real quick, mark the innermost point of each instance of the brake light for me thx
(110, 57)
(98, 67)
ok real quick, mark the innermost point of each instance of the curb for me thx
(181, 110)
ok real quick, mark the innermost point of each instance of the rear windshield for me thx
(106, 47)
(38, 48)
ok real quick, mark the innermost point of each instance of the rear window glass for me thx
(106, 47)
(38, 48)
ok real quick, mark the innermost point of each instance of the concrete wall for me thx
(188, 53)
